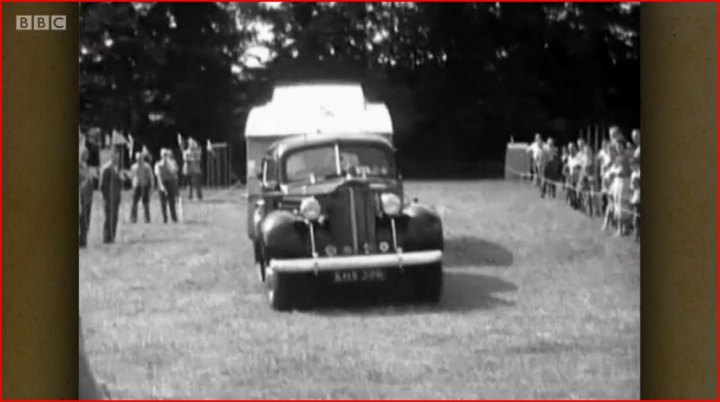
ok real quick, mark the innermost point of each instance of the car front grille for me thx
(352, 220)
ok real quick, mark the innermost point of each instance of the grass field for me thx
(538, 303)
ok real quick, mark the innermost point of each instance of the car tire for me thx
(428, 283)
(259, 260)
(279, 291)
(288, 291)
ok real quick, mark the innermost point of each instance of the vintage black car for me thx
(331, 211)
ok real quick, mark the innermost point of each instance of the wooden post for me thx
(580, 134)
(588, 135)
(230, 165)
(224, 167)
(595, 153)
(211, 161)
(207, 167)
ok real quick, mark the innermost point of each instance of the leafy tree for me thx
(458, 78)
(155, 70)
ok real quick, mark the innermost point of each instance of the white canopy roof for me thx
(318, 109)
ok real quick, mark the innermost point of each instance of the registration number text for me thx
(365, 275)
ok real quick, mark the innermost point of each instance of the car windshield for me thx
(331, 161)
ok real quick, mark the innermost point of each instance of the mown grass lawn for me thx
(538, 303)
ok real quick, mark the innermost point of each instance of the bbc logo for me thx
(40, 22)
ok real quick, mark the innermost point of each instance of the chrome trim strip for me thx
(338, 168)
(312, 244)
(337, 263)
(353, 220)
(398, 250)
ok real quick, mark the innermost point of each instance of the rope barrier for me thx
(573, 187)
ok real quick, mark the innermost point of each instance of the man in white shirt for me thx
(537, 151)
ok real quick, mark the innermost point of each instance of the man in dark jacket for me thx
(192, 169)
(142, 182)
(111, 184)
(551, 170)
(167, 181)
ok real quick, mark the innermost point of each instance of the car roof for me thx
(299, 141)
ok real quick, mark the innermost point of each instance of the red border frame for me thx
(717, 228)
(1, 208)
(251, 1)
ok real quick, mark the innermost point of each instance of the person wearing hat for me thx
(111, 184)
(142, 183)
(87, 188)
(192, 168)
(167, 181)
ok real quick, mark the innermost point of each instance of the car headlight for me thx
(391, 204)
(310, 208)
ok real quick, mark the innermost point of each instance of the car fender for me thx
(284, 235)
(423, 230)
(254, 215)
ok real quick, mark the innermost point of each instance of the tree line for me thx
(459, 78)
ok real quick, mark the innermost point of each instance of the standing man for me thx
(552, 169)
(142, 182)
(192, 168)
(87, 187)
(537, 151)
(111, 187)
(167, 180)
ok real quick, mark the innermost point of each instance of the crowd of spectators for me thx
(602, 182)
(141, 177)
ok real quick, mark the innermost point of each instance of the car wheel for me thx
(428, 282)
(259, 260)
(278, 291)
(290, 291)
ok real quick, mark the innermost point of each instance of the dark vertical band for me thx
(679, 214)
(40, 205)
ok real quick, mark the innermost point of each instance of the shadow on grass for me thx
(88, 386)
(461, 292)
(466, 251)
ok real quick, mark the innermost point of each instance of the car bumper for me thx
(395, 260)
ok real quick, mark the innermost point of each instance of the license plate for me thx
(364, 275)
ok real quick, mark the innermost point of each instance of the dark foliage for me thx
(458, 78)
